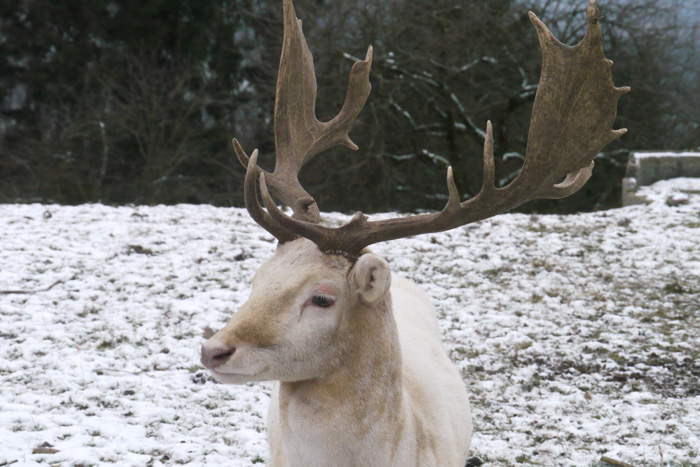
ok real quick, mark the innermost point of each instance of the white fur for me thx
(361, 383)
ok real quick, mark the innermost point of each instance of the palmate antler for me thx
(572, 119)
(299, 136)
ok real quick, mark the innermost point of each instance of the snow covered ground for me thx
(578, 336)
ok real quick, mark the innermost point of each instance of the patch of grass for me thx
(138, 249)
(231, 441)
(676, 287)
(624, 222)
(88, 310)
(108, 404)
(105, 345)
(110, 344)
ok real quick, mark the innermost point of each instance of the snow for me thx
(646, 155)
(577, 335)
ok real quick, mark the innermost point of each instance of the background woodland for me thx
(126, 101)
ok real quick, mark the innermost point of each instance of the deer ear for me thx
(370, 278)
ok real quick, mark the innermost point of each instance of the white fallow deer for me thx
(362, 377)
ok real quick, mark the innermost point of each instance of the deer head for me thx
(302, 317)
(300, 320)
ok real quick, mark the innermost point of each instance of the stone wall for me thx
(645, 168)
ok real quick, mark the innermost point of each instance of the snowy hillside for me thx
(578, 336)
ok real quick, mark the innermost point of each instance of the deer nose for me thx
(214, 356)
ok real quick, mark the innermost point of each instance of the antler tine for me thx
(258, 214)
(489, 164)
(299, 136)
(240, 153)
(291, 194)
(574, 109)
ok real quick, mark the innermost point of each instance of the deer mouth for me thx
(236, 377)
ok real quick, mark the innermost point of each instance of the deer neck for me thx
(353, 415)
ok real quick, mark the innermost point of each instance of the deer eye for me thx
(323, 301)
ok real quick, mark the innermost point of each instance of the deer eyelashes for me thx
(323, 300)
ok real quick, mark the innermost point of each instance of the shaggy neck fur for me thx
(354, 414)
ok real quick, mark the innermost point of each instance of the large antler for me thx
(574, 110)
(299, 136)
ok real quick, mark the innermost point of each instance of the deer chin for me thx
(245, 366)
(238, 378)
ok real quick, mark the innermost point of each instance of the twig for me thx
(30, 292)
(615, 462)
(114, 370)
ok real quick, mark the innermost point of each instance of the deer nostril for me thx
(211, 358)
(224, 355)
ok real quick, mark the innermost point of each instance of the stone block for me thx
(646, 168)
